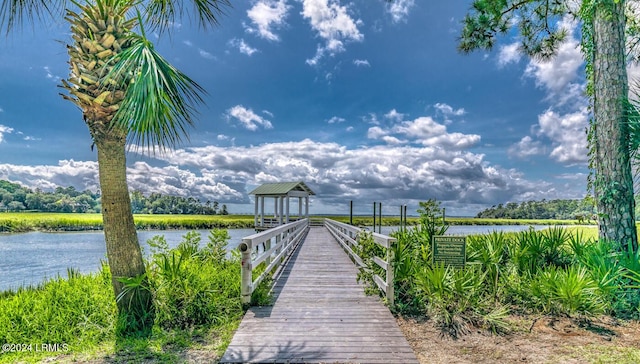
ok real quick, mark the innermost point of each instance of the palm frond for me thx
(162, 14)
(159, 102)
(13, 13)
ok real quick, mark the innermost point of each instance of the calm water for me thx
(30, 258)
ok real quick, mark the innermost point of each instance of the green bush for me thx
(192, 285)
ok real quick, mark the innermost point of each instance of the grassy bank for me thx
(15, 222)
(414, 221)
(26, 221)
(196, 293)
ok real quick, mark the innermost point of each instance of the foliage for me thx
(196, 291)
(556, 271)
(77, 311)
(14, 197)
(193, 285)
(583, 210)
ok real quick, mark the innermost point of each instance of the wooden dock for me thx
(320, 315)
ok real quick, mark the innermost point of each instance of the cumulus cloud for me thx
(394, 173)
(336, 120)
(560, 131)
(509, 53)
(526, 147)
(4, 130)
(266, 15)
(399, 10)
(361, 63)
(447, 110)
(338, 173)
(394, 115)
(242, 46)
(247, 118)
(567, 133)
(559, 75)
(332, 22)
(426, 131)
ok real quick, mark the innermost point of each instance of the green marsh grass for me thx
(40, 221)
(196, 292)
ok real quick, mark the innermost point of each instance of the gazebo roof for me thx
(281, 188)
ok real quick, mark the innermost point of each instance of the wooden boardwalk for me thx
(320, 315)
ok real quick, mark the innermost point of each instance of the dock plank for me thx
(320, 315)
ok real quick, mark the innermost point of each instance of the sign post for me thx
(449, 250)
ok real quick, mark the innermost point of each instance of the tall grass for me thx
(195, 288)
(25, 221)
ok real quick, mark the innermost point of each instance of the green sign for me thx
(449, 250)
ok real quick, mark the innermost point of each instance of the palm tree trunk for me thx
(123, 250)
(613, 181)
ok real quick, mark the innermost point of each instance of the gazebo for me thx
(281, 193)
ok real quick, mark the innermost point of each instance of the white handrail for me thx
(347, 235)
(286, 238)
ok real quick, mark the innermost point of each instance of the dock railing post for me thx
(390, 257)
(246, 276)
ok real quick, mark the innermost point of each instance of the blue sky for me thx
(360, 99)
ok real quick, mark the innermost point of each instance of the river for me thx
(30, 258)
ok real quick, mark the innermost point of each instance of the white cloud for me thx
(560, 130)
(361, 63)
(242, 46)
(567, 133)
(50, 75)
(399, 9)
(394, 115)
(266, 15)
(559, 75)
(509, 54)
(247, 118)
(188, 43)
(526, 147)
(391, 172)
(423, 130)
(205, 54)
(336, 120)
(447, 110)
(4, 130)
(376, 132)
(332, 23)
(394, 173)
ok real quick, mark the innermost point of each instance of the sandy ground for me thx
(533, 340)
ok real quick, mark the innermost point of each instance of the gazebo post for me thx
(255, 212)
(261, 211)
(287, 219)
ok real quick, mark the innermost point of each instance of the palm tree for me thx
(127, 93)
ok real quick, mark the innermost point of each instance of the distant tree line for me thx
(15, 198)
(545, 209)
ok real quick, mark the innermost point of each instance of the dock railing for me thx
(347, 236)
(277, 244)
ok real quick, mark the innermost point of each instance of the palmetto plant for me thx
(125, 91)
